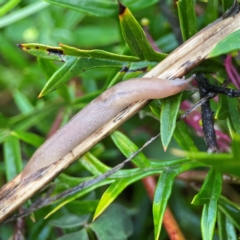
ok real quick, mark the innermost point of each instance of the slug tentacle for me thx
(96, 114)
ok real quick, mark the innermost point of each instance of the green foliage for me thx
(169, 113)
(96, 51)
(187, 18)
(229, 44)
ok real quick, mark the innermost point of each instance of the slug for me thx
(98, 112)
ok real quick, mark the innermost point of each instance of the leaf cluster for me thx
(111, 47)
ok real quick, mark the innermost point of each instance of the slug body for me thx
(98, 112)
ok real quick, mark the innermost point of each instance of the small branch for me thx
(200, 102)
(46, 200)
(222, 90)
(207, 115)
(171, 226)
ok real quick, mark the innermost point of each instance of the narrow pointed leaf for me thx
(96, 53)
(93, 165)
(209, 195)
(75, 61)
(234, 116)
(231, 210)
(28, 137)
(44, 51)
(127, 147)
(235, 148)
(25, 121)
(211, 13)
(183, 137)
(12, 157)
(222, 162)
(73, 67)
(226, 5)
(97, 8)
(222, 111)
(213, 182)
(23, 103)
(228, 44)
(114, 190)
(140, 4)
(78, 194)
(22, 13)
(135, 36)
(187, 18)
(169, 111)
(161, 196)
(119, 185)
(226, 229)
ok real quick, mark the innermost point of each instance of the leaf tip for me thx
(121, 8)
(40, 95)
(19, 46)
(96, 215)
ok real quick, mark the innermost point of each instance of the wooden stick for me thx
(177, 64)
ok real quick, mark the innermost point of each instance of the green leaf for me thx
(127, 147)
(231, 210)
(187, 18)
(27, 137)
(183, 138)
(44, 51)
(234, 116)
(135, 37)
(12, 157)
(222, 107)
(47, 66)
(96, 53)
(8, 6)
(115, 223)
(225, 163)
(228, 44)
(4, 133)
(226, 229)
(24, 105)
(27, 120)
(22, 13)
(235, 147)
(69, 221)
(97, 8)
(212, 184)
(140, 4)
(169, 112)
(114, 190)
(92, 164)
(76, 61)
(209, 195)
(82, 234)
(226, 4)
(4, 122)
(83, 192)
(10, 52)
(73, 67)
(211, 13)
(162, 193)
